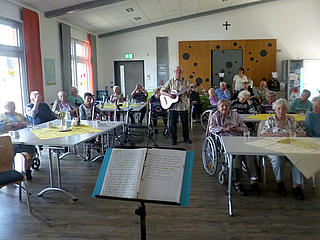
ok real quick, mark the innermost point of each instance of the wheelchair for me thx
(36, 160)
(205, 117)
(213, 154)
(154, 116)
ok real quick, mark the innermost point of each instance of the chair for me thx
(9, 176)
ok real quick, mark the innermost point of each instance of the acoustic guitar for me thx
(167, 101)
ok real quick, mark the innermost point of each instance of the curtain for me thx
(33, 51)
(93, 73)
(65, 47)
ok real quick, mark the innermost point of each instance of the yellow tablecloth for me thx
(49, 133)
(123, 106)
(265, 117)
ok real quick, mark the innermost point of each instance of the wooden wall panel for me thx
(259, 58)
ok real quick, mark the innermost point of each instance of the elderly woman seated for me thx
(312, 122)
(62, 105)
(12, 121)
(244, 104)
(74, 98)
(228, 123)
(281, 125)
(266, 105)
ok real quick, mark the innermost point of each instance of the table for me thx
(136, 107)
(241, 146)
(28, 138)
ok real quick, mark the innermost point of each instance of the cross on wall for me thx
(226, 25)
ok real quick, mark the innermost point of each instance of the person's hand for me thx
(37, 99)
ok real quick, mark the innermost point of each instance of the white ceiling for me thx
(115, 17)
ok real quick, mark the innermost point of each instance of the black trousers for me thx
(142, 114)
(174, 115)
(155, 115)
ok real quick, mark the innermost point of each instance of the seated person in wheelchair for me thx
(243, 104)
(213, 99)
(195, 102)
(12, 121)
(139, 95)
(228, 123)
(157, 110)
(281, 125)
(87, 110)
(116, 98)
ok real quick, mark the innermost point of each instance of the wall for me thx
(294, 24)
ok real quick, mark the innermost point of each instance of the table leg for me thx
(230, 166)
(51, 188)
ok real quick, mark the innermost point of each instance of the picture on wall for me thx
(50, 71)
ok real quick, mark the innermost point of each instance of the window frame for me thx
(17, 52)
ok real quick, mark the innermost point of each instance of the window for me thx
(13, 81)
(80, 66)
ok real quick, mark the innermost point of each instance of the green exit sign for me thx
(128, 55)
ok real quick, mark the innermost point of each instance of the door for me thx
(128, 74)
(227, 62)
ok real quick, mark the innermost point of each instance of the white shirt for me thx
(238, 81)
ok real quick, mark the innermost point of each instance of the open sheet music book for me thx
(146, 174)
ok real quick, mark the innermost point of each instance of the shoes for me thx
(298, 193)
(28, 175)
(240, 190)
(156, 131)
(281, 189)
(255, 189)
(165, 132)
(188, 141)
(174, 142)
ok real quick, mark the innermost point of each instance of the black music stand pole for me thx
(141, 211)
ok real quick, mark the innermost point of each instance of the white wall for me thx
(50, 48)
(294, 23)
(9, 10)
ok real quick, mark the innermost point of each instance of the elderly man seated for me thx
(38, 111)
(223, 92)
(11, 121)
(301, 104)
(228, 123)
(312, 122)
(139, 95)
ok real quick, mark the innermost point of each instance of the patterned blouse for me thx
(219, 121)
(273, 126)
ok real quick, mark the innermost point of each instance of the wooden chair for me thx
(9, 176)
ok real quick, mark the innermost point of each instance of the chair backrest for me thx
(260, 126)
(212, 111)
(6, 154)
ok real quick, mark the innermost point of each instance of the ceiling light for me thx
(129, 9)
(137, 18)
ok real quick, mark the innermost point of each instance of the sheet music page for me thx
(124, 173)
(162, 175)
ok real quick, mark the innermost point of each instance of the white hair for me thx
(316, 100)
(115, 87)
(270, 93)
(33, 94)
(280, 103)
(61, 93)
(244, 94)
(223, 101)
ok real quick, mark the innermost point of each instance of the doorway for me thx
(127, 74)
(227, 62)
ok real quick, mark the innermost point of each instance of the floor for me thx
(55, 216)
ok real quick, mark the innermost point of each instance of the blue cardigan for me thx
(312, 124)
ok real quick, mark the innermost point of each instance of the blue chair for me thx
(9, 176)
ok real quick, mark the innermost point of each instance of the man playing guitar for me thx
(179, 84)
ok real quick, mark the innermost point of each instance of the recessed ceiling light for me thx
(137, 18)
(129, 9)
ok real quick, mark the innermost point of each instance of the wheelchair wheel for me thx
(209, 156)
(205, 118)
(35, 163)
